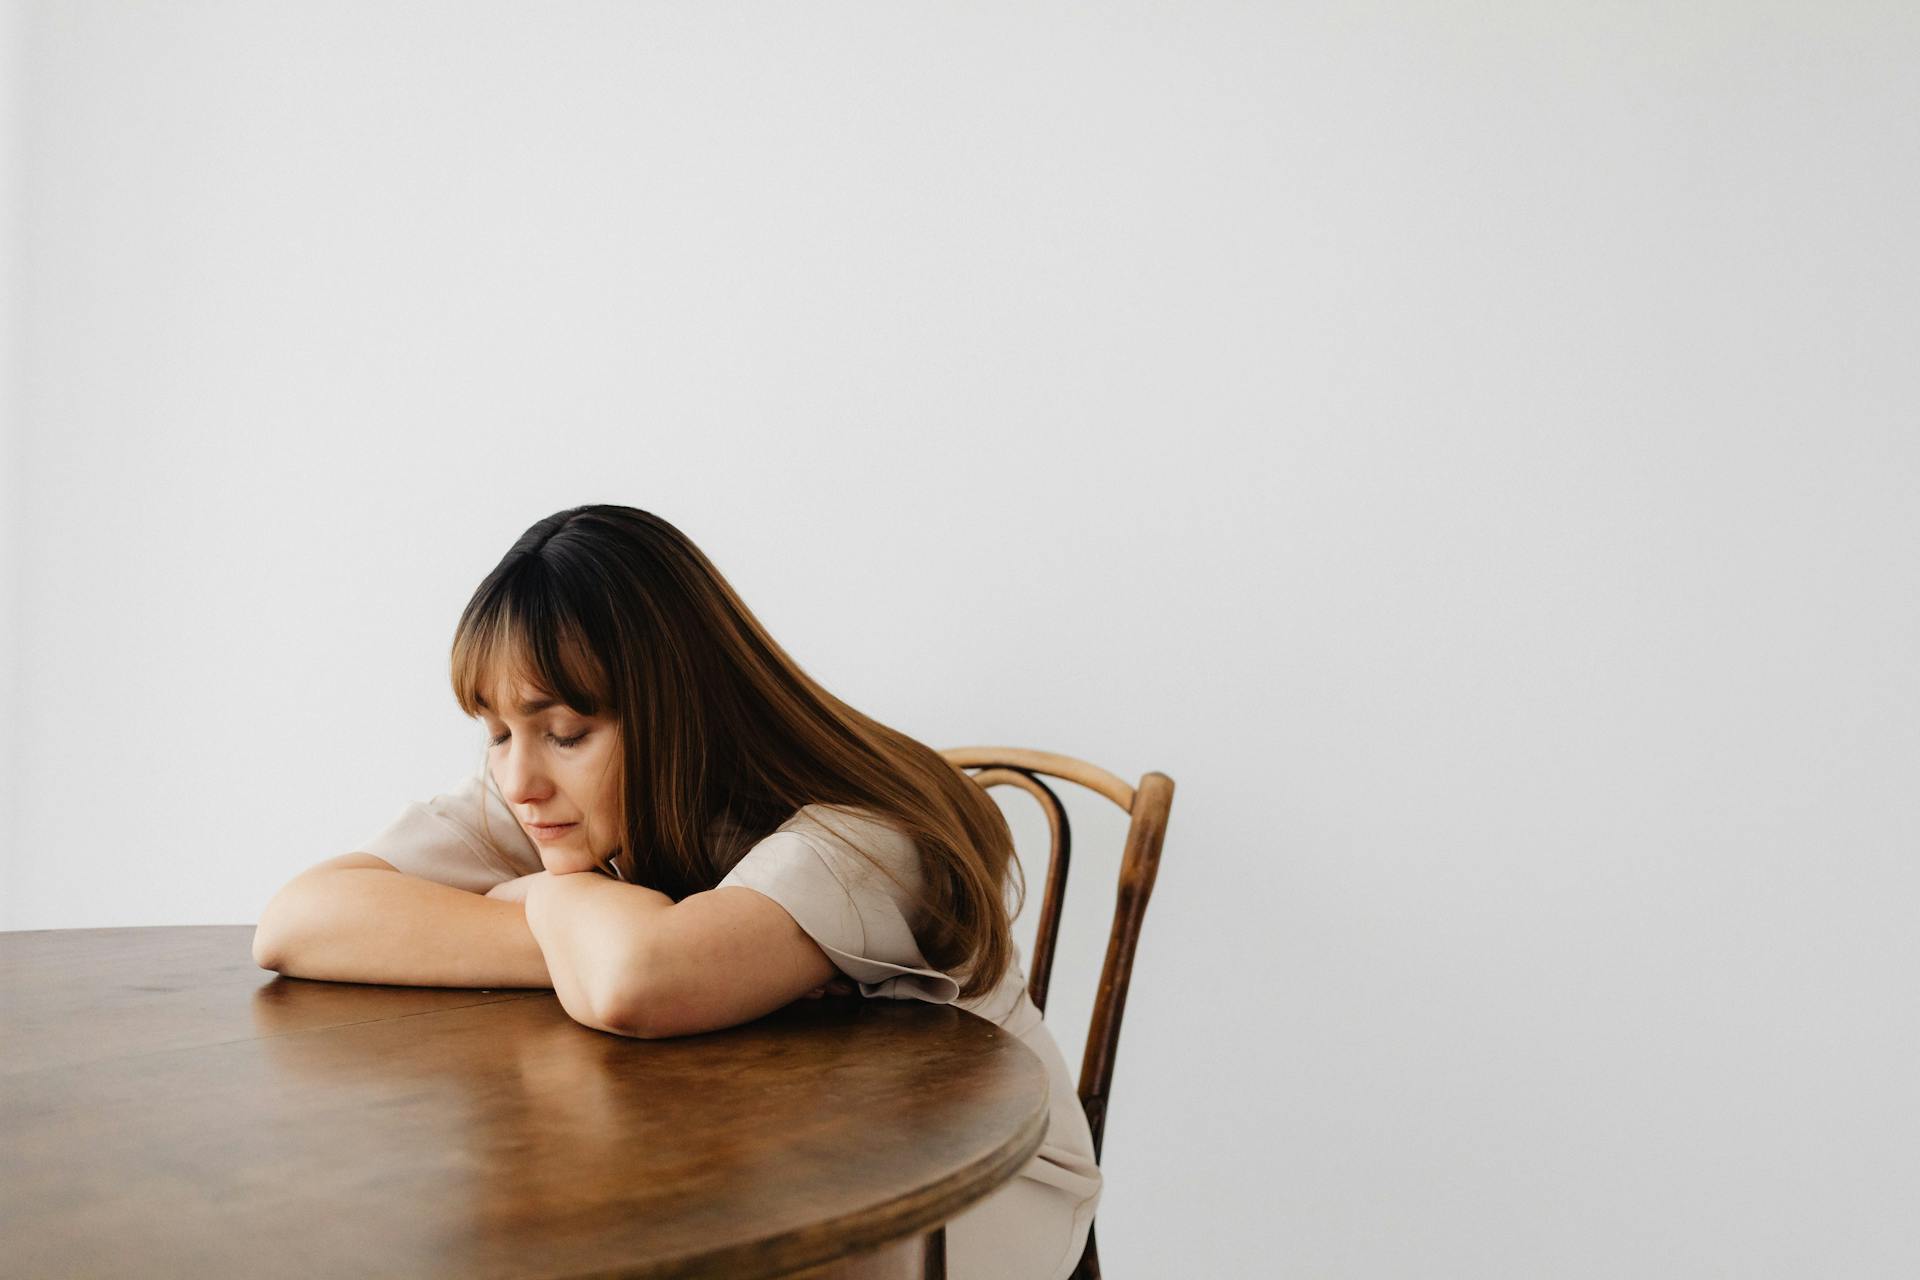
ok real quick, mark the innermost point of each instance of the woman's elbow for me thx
(649, 1014)
(270, 936)
(266, 951)
(656, 1008)
(637, 1003)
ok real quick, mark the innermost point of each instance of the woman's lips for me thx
(551, 833)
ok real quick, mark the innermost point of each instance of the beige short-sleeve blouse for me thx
(861, 915)
(465, 836)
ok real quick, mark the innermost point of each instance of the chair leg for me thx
(1089, 1268)
(934, 1266)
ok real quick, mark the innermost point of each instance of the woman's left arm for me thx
(592, 929)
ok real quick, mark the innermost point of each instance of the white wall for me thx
(1470, 448)
(12, 484)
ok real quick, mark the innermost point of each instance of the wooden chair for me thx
(1147, 805)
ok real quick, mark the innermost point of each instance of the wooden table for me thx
(169, 1109)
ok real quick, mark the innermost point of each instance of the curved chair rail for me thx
(1090, 776)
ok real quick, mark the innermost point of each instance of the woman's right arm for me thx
(355, 919)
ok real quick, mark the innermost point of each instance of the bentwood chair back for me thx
(1146, 805)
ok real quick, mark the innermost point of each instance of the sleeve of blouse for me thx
(852, 911)
(446, 839)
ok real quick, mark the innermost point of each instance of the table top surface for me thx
(169, 1108)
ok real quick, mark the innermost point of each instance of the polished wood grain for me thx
(169, 1109)
(1147, 805)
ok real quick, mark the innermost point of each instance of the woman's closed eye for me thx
(558, 741)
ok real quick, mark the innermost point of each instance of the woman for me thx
(642, 725)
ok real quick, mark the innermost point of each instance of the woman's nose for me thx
(521, 778)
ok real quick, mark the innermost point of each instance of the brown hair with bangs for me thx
(615, 612)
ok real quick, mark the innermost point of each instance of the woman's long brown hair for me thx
(614, 611)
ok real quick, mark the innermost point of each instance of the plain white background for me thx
(1471, 448)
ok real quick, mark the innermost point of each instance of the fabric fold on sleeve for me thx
(853, 912)
(446, 840)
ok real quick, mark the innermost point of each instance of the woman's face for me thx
(555, 765)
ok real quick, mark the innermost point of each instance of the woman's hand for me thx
(516, 890)
(841, 986)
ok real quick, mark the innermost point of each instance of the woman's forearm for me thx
(591, 929)
(366, 924)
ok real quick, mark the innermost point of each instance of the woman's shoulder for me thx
(853, 823)
(853, 837)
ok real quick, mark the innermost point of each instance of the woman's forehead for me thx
(510, 683)
(516, 694)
